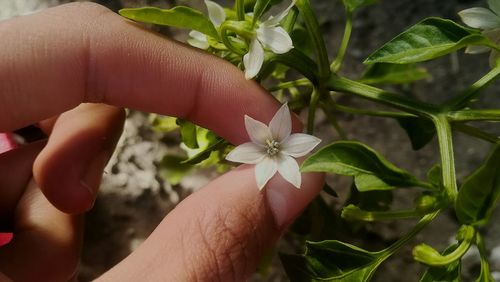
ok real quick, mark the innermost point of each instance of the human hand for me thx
(54, 61)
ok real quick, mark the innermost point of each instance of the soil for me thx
(134, 197)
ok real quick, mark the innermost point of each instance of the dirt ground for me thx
(134, 198)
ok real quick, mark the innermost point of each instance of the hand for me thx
(54, 61)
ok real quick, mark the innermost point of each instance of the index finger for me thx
(82, 52)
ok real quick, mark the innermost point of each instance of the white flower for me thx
(217, 15)
(486, 20)
(269, 36)
(273, 149)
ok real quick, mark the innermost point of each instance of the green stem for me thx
(239, 6)
(290, 84)
(429, 256)
(381, 96)
(240, 28)
(296, 60)
(443, 130)
(475, 115)
(473, 91)
(289, 22)
(485, 266)
(476, 132)
(352, 212)
(351, 110)
(333, 120)
(415, 230)
(335, 66)
(312, 26)
(313, 104)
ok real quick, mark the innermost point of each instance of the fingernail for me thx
(287, 202)
(92, 176)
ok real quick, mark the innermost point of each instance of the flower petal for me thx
(215, 13)
(281, 124)
(275, 20)
(289, 169)
(264, 171)
(479, 18)
(198, 40)
(299, 144)
(247, 153)
(274, 38)
(257, 131)
(494, 6)
(253, 59)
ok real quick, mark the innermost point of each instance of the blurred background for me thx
(138, 191)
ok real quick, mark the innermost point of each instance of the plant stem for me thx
(473, 91)
(443, 130)
(381, 96)
(476, 132)
(333, 121)
(403, 240)
(335, 66)
(352, 212)
(313, 104)
(350, 110)
(485, 266)
(240, 9)
(312, 26)
(290, 84)
(427, 255)
(475, 115)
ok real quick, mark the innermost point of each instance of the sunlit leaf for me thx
(370, 170)
(429, 39)
(180, 16)
(172, 170)
(385, 73)
(188, 133)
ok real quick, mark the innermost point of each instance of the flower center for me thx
(273, 147)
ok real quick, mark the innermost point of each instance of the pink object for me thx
(5, 238)
(7, 143)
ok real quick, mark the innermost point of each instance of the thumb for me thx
(220, 232)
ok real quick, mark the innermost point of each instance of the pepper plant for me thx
(285, 51)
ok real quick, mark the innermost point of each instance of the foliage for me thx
(374, 177)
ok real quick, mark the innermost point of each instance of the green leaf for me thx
(188, 133)
(385, 73)
(205, 153)
(420, 131)
(163, 123)
(332, 261)
(449, 273)
(352, 5)
(429, 39)
(435, 176)
(180, 16)
(479, 193)
(172, 170)
(370, 170)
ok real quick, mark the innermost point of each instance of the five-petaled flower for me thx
(486, 20)
(269, 36)
(273, 149)
(217, 16)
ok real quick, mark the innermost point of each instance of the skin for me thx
(71, 70)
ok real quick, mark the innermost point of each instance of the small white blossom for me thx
(486, 20)
(217, 15)
(268, 36)
(273, 148)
